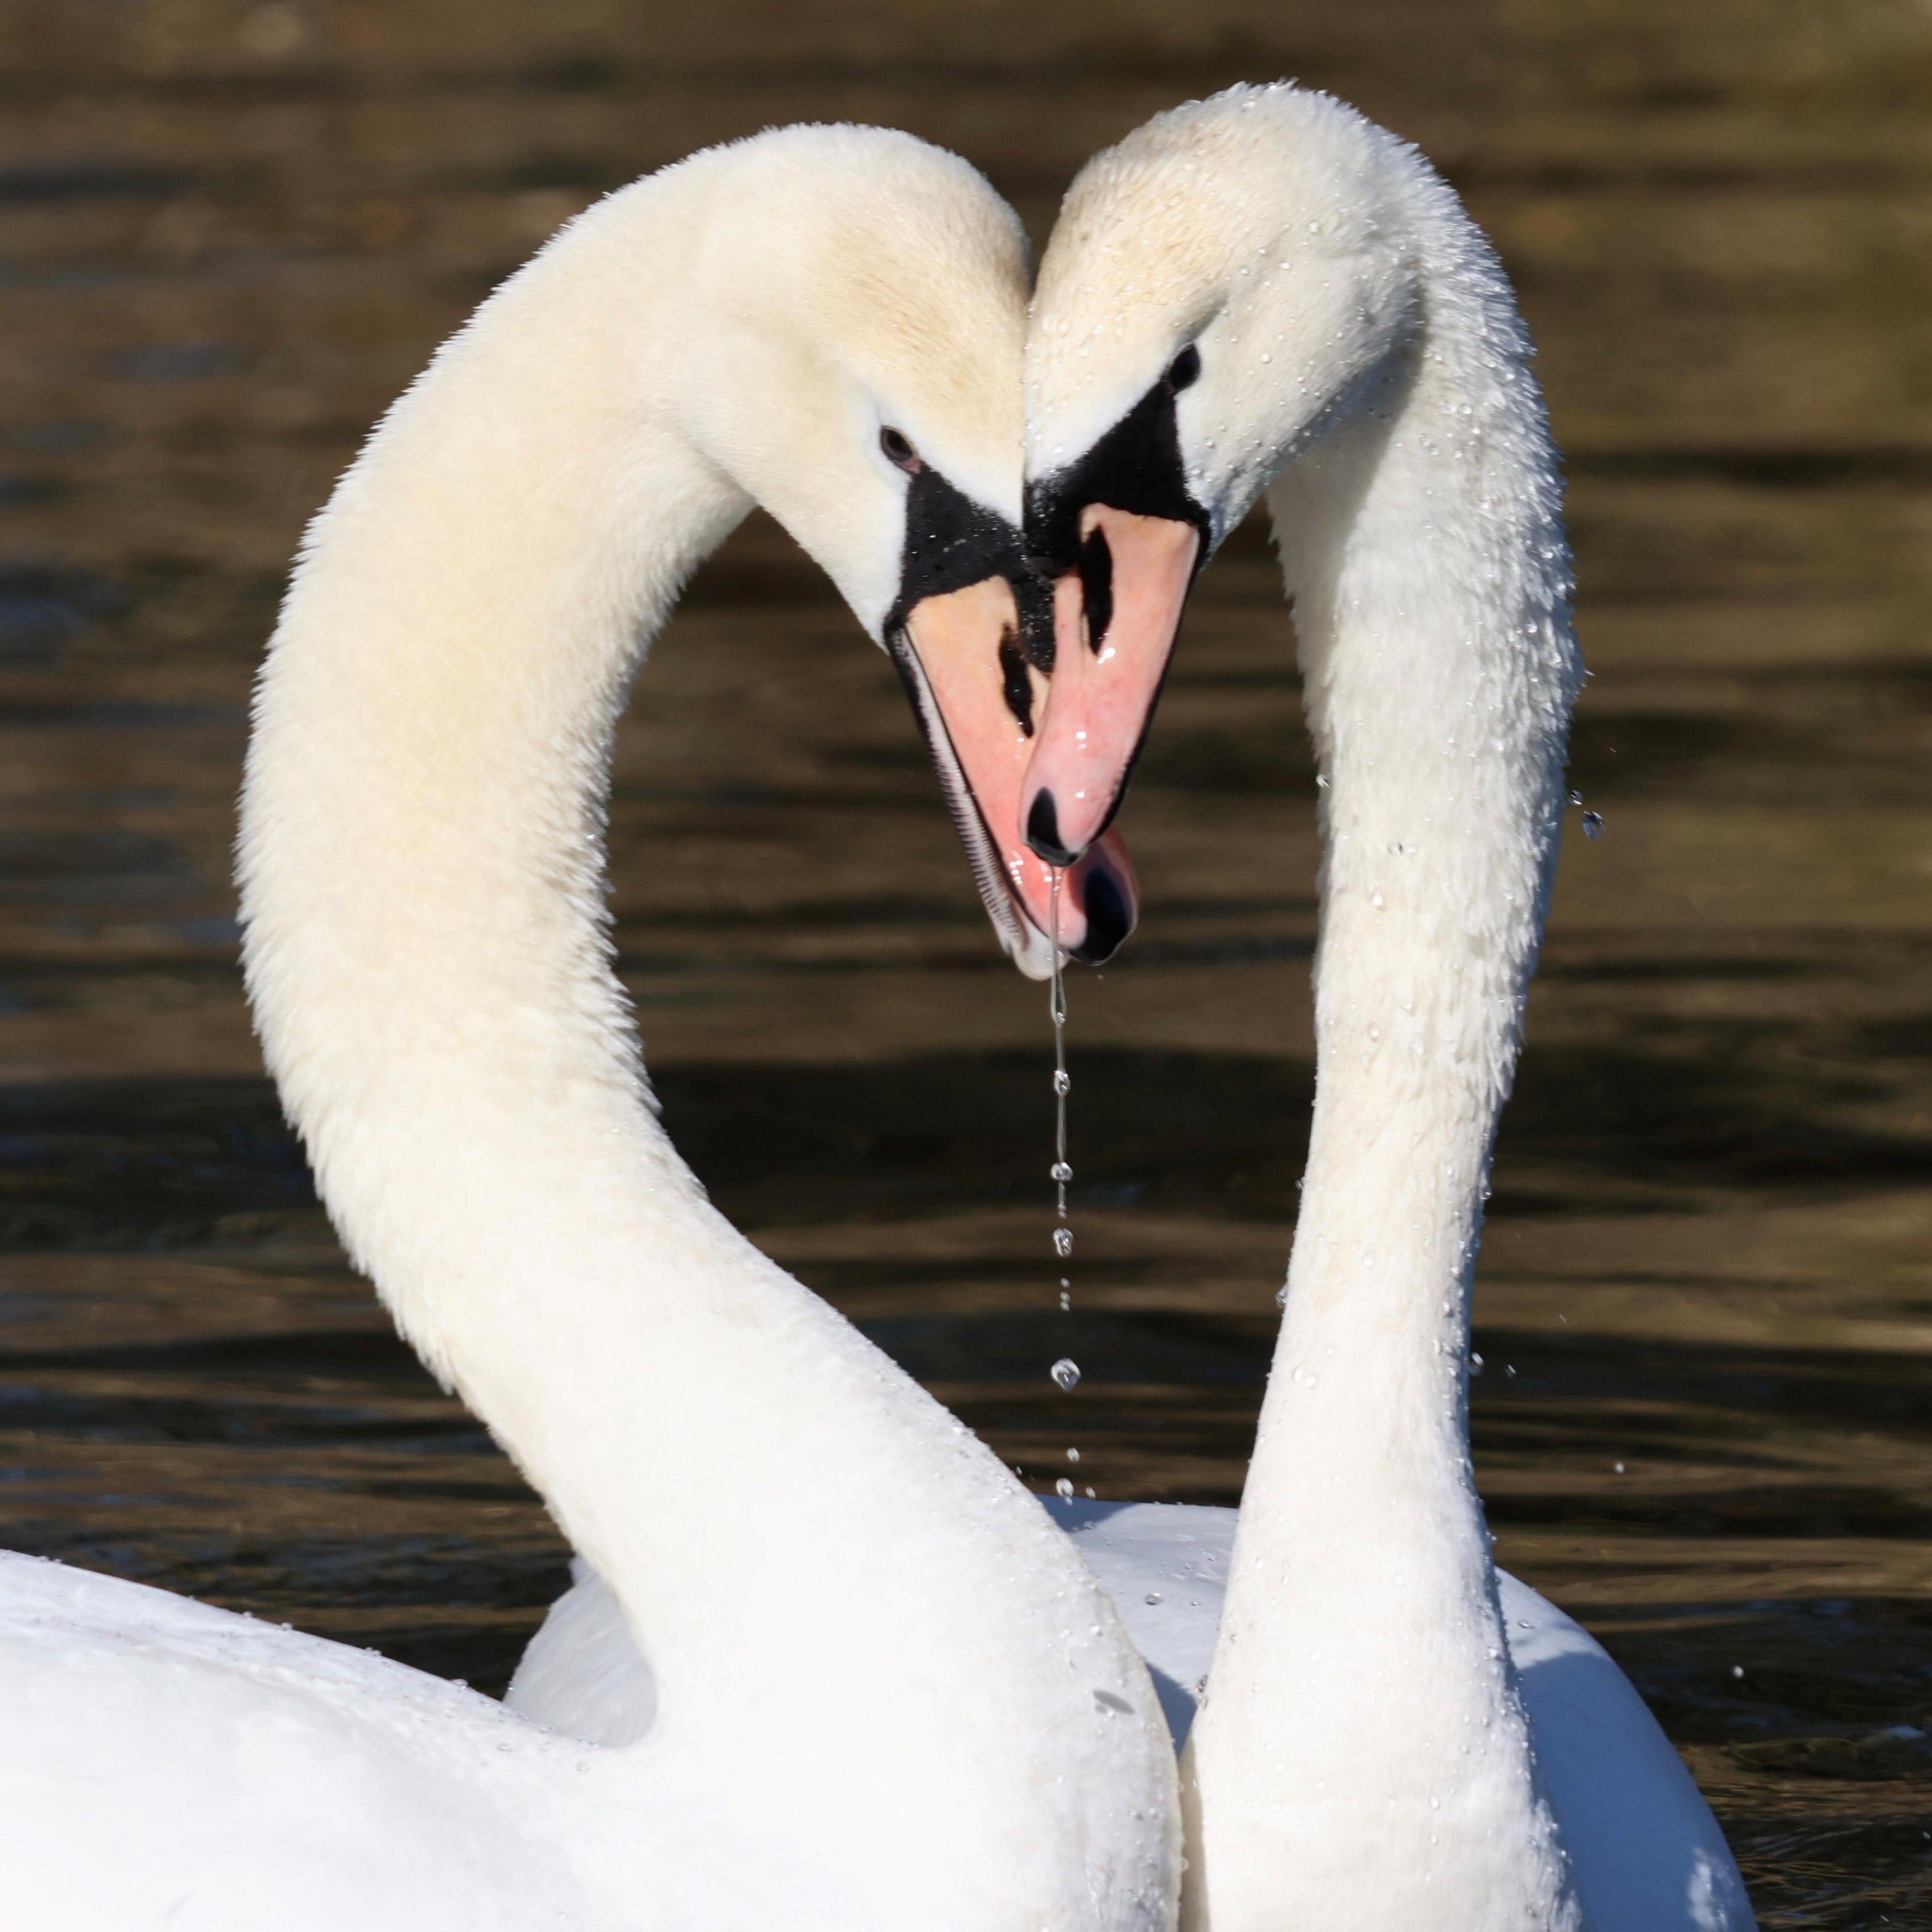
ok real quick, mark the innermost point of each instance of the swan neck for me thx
(1430, 575)
(422, 856)
(1361, 1652)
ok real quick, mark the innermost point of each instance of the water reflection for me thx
(1705, 1311)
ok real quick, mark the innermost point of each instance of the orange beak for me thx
(1114, 618)
(978, 694)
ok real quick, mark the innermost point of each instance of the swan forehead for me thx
(1182, 227)
(912, 271)
(946, 373)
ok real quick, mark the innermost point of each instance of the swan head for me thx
(859, 375)
(1220, 286)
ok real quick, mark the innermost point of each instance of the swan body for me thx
(1264, 293)
(887, 1693)
(1646, 1852)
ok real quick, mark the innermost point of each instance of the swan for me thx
(888, 1692)
(1265, 293)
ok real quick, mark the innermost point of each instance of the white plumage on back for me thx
(1647, 1854)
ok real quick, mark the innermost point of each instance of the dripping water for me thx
(1066, 1372)
(1062, 1235)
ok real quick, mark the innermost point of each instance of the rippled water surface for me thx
(229, 235)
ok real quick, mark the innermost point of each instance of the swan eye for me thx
(1183, 369)
(898, 451)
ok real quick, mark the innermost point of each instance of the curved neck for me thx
(805, 1545)
(1359, 1688)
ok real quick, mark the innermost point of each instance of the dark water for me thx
(228, 235)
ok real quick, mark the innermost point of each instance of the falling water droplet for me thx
(1476, 1368)
(1066, 1373)
(1061, 1171)
(1593, 825)
(1073, 1455)
(1063, 1242)
(1063, 1488)
(1152, 1596)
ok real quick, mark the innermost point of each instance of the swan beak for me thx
(977, 693)
(1114, 618)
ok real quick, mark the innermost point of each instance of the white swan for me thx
(889, 1694)
(1264, 292)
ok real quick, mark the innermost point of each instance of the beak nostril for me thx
(1043, 830)
(1096, 587)
(1015, 684)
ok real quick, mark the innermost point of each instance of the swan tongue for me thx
(1108, 897)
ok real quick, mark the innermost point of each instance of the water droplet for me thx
(1060, 1171)
(1476, 1369)
(1593, 825)
(1620, 1469)
(1153, 1597)
(1575, 798)
(1063, 1488)
(1063, 1242)
(1065, 1302)
(1737, 1670)
(1073, 1455)
(1066, 1373)
(1062, 1082)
